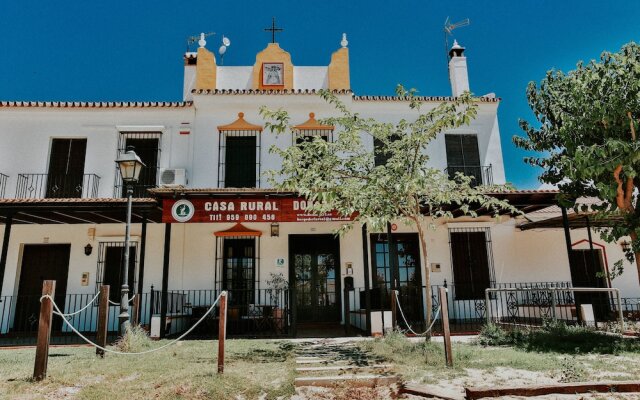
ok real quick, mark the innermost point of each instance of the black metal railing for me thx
(250, 313)
(39, 186)
(481, 174)
(528, 303)
(3, 184)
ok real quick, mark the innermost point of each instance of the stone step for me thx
(323, 361)
(369, 380)
(334, 368)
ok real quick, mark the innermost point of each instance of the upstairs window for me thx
(382, 154)
(147, 146)
(463, 156)
(65, 178)
(310, 129)
(239, 154)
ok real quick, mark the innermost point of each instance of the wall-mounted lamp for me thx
(88, 249)
(626, 246)
(275, 229)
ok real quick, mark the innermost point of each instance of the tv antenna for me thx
(197, 38)
(449, 27)
(223, 49)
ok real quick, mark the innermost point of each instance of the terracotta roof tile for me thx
(92, 104)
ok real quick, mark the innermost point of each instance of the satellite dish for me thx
(226, 41)
(222, 49)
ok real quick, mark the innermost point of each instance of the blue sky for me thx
(132, 50)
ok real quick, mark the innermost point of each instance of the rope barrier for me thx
(113, 303)
(57, 312)
(80, 310)
(435, 318)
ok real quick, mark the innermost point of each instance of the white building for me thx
(63, 213)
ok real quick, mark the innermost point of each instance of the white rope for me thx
(57, 312)
(80, 310)
(113, 303)
(435, 318)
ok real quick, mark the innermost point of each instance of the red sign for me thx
(243, 210)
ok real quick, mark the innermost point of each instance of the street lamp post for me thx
(129, 165)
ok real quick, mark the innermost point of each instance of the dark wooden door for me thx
(315, 276)
(240, 161)
(40, 262)
(471, 273)
(586, 270)
(66, 168)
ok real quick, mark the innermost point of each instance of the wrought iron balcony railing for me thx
(481, 174)
(39, 186)
(3, 184)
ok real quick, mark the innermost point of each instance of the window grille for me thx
(239, 158)
(109, 269)
(147, 146)
(305, 135)
(463, 156)
(471, 262)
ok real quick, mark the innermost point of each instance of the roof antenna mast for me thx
(449, 27)
(193, 39)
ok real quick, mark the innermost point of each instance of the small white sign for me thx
(281, 262)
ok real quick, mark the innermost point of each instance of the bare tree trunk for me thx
(634, 237)
(427, 274)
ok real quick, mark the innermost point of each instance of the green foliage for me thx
(556, 336)
(135, 339)
(583, 132)
(341, 174)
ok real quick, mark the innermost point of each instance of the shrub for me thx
(134, 340)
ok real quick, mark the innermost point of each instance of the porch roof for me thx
(78, 211)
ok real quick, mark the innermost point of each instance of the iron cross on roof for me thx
(273, 30)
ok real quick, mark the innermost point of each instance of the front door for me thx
(586, 271)
(315, 276)
(40, 262)
(407, 277)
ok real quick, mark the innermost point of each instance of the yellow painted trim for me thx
(240, 125)
(273, 54)
(339, 78)
(312, 124)
(205, 70)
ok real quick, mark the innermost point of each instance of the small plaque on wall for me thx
(435, 267)
(281, 262)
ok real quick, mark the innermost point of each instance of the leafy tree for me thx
(341, 175)
(586, 130)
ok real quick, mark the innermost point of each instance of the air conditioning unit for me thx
(173, 177)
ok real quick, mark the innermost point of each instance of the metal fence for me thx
(522, 303)
(267, 314)
(40, 186)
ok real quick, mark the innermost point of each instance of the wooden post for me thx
(135, 310)
(222, 331)
(347, 316)
(103, 319)
(394, 309)
(444, 312)
(44, 331)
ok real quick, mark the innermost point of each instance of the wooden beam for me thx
(44, 330)
(5, 247)
(82, 220)
(222, 331)
(560, 388)
(42, 218)
(103, 319)
(117, 221)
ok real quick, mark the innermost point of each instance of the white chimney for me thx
(190, 59)
(458, 74)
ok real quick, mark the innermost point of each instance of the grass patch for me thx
(558, 337)
(475, 364)
(185, 371)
